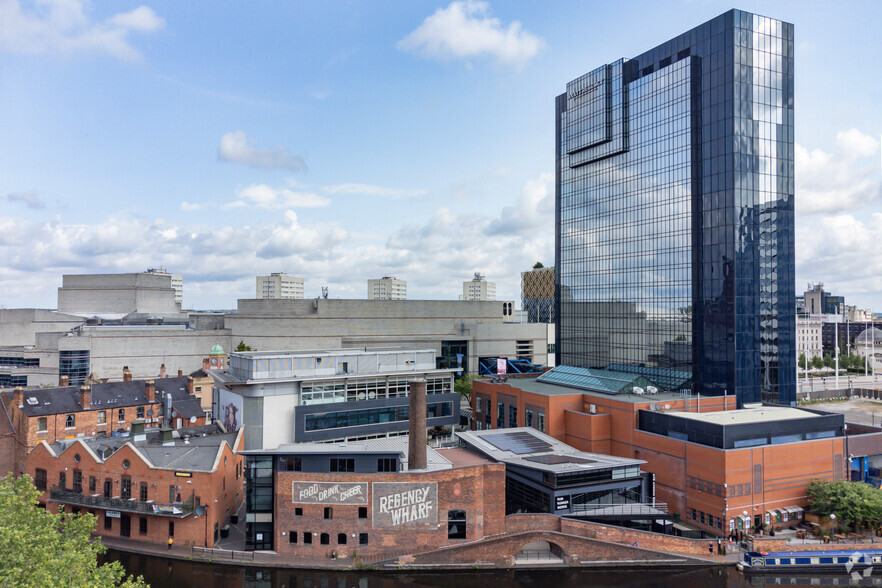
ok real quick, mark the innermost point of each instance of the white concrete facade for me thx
(479, 289)
(387, 288)
(96, 294)
(808, 338)
(279, 285)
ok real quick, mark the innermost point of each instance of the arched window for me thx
(71, 421)
(341, 538)
(325, 539)
(329, 512)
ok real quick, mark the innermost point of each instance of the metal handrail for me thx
(66, 496)
(627, 508)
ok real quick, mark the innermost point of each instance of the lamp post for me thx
(833, 518)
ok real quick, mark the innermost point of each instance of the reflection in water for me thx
(162, 573)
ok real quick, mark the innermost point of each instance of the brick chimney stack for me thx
(64, 381)
(180, 372)
(86, 397)
(162, 371)
(416, 446)
(127, 375)
(205, 364)
(191, 386)
(150, 390)
(18, 396)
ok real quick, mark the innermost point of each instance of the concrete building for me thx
(146, 486)
(537, 295)
(279, 285)
(148, 293)
(478, 289)
(710, 461)
(177, 282)
(817, 301)
(339, 394)
(387, 288)
(808, 338)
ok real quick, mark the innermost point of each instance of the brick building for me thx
(184, 483)
(100, 409)
(712, 463)
(308, 499)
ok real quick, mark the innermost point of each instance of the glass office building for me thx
(675, 226)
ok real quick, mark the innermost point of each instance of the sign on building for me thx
(329, 492)
(501, 365)
(404, 504)
(561, 503)
(112, 514)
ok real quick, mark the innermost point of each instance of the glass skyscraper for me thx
(674, 196)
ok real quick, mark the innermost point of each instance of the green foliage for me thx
(242, 347)
(801, 361)
(853, 503)
(817, 362)
(538, 265)
(463, 385)
(39, 548)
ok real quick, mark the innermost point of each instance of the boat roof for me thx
(824, 553)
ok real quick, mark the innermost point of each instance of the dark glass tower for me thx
(674, 232)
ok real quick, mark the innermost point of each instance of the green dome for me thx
(217, 350)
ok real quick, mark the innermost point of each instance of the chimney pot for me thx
(180, 372)
(18, 396)
(127, 375)
(162, 371)
(191, 386)
(416, 445)
(64, 381)
(86, 397)
(150, 390)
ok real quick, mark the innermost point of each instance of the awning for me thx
(794, 511)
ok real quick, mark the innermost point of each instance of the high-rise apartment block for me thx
(674, 209)
(537, 294)
(387, 288)
(478, 288)
(279, 285)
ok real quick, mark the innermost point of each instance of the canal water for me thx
(162, 573)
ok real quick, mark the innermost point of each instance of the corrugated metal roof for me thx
(607, 381)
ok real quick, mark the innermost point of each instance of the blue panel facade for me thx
(674, 209)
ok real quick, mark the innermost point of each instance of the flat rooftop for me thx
(747, 415)
(529, 384)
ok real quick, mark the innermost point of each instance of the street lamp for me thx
(833, 518)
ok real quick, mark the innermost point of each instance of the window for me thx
(298, 512)
(70, 421)
(42, 427)
(342, 464)
(329, 512)
(362, 512)
(126, 487)
(528, 418)
(108, 488)
(171, 528)
(126, 463)
(456, 524)
(325, 539)
(142, 495)
(341, 538)
(541, 422)
(78, 481)
(62, 480)
(500, 415)
(121, 415)
(307, 538)
(290, 464)
(139, 412)
(512, 416)
(108, 522)
(102, 417)
(292, 536)
(386, 464)
(93, 484)
(362, 538)
(142, 525)
(40, 479)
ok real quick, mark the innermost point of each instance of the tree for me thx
(817, 362)
(538, 265)
(801, 361)
(853, 503)
(39, 548)
(463, 385)
(242, 347)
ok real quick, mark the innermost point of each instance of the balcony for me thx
(171, 509)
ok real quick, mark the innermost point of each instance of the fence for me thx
(213, 552)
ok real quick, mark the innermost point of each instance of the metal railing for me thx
(624, 508)
(214, 552)
(175, 509)
(537, 555)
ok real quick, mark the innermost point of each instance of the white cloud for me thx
(840, 181)
(193, 206)
(464, 30)
(30, 199)
(370, 190)
(269, 198)
(238, 147)
(63, 27)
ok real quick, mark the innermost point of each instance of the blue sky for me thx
(341, 141)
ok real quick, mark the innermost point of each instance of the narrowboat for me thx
(843, 561)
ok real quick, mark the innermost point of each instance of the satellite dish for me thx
(192, 420)
(200, 510)
(150, 412)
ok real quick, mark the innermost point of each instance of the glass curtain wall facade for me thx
(674, 190)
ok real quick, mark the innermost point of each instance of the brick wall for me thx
(479, 490)
(221, 485)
